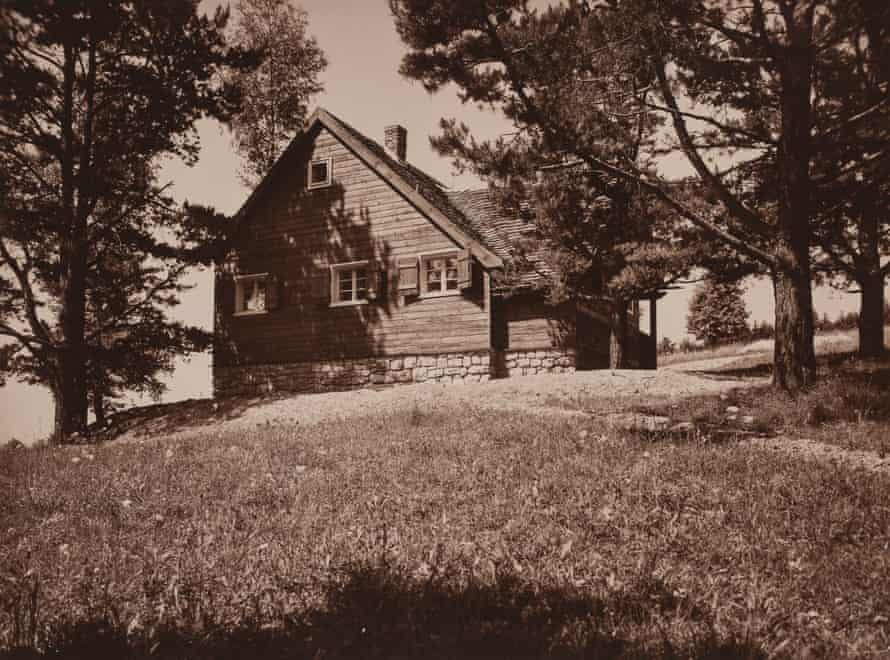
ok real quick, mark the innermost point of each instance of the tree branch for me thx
(21, 274)
(713, 122)
(730, 201)
(742, 246)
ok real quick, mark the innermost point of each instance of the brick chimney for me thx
(395, 139)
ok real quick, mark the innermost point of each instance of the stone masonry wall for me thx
(331, 375)
(528, 363)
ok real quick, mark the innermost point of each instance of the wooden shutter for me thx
(225, 293)
(321, 288)
(464, 270)
(376, 280)
(372, 273)
(273, 293)
(408, 277)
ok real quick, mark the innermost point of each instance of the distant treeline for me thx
(766, 330)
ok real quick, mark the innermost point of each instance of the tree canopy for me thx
(275, 95)
(731, 86)
(717, 312)
(92, 247)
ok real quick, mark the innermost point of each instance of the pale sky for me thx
(363, 88)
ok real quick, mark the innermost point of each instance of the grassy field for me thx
(832, 342)
(458, 533)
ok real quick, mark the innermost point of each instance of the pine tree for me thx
(717, 312)
(853, 220)
(94, 94)
(723, 78)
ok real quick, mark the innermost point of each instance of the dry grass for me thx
(849, 407)
(833, 342)
(455, 533)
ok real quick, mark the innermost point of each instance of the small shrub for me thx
(687, 345)
(666, 347)
(764, 330)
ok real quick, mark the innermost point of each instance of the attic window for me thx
(320, 173)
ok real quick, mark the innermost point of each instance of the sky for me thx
(362, 87)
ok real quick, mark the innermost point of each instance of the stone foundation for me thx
(332, 375)
(527, 363)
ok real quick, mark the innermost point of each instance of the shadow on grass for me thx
(165, 418)
(737, 371)
(377, 613)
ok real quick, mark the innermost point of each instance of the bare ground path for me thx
(559, 394)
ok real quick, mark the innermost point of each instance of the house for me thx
(354, 268)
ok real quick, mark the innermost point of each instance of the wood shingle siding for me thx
(297, 234)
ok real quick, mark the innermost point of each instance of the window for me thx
(320, 173)
(349, 283)
(251, 294)
(439, 275)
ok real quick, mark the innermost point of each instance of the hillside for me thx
(556, 516)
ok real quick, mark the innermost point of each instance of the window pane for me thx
(433, 280)
(319, 172)
(254, 296)
(345, 279)
(451, 274)
(361, 284)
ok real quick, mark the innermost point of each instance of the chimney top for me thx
(395, 139)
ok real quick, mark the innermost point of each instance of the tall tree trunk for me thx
(871, 283)
(99, 408)
(871, 315)
(794, 365)
(71, 389)
(71, 393)
(794, 359)
(618, 336)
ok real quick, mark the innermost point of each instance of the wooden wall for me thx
(525, 321)
(297, 234)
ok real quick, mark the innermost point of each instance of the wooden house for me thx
(353, 268)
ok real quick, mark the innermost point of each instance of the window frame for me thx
(240, 286)
(329, 165)
(353, 267)
(422, 260)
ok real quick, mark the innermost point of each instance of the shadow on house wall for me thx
(296, 235)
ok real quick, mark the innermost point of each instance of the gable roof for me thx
(420, 189)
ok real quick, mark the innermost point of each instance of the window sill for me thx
(440, 294)
(257, 312)
(348, 303)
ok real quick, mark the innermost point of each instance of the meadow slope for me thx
(453, 527)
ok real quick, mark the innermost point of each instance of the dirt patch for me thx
(580, 393)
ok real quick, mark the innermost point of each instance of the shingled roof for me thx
(502, 231)
(475, 216)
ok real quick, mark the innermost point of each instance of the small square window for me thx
(320, 173)
(251, 294)
(350, 283)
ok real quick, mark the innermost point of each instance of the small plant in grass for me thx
(666, 346)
